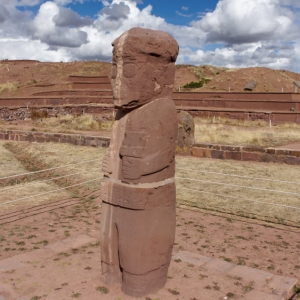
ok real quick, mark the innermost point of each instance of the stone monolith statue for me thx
(138, 190)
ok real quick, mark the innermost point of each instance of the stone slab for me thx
(192, 258)
(40, 253)
(219, 265)
(258, 295)
(9, 264)
(58, 247)
(266, 286)
(258, 277)
(79, 240)
(19, 261)
(7, 292)
(282, 286)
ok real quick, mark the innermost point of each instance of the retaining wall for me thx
(247, 153)
(42, 137)
(241, 153)
(17, 114)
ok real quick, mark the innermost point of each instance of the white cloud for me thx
(238, 33)
(69, 18)
(29, 49)
(46, 31)
(243, 21)
(183, 15)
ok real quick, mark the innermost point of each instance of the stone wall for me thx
(247, 153)
(241, 153)
(42, 137)
(19, 114)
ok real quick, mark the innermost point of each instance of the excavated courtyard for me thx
(49, 244)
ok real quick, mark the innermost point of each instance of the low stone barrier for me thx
(247, 153)
(42, 137)
(241, 153)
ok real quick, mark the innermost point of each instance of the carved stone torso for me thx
(143, 136)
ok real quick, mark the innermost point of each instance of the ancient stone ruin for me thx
(138, 191)
(186, 133)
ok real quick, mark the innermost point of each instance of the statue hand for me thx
(131, 168)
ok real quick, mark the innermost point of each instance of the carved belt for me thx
(141, 196)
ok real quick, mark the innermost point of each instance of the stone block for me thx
(200, 152)
(231, 148)
(215, 147)
(217, 154)
(233, 155)
(250, 156)
(271, 150)
(295, 153)
(270, 158)
(253, 149)
(282, 151)
(22, 138)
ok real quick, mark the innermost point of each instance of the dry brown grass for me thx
(8, 87)
(22, 195)
(50, 155)
(231, 122)
(199, 191)
(93, 68)
(196, 189)
(9, 165)
(68, 123)
(238, 132)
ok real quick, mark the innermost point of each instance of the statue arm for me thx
(152, 148)
(134, 168)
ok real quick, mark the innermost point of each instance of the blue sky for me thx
(179, 12)
(229, 33)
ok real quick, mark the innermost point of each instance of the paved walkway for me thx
(265, 285)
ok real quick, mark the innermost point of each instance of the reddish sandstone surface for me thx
(141, 152)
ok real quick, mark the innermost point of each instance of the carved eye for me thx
(129, 70)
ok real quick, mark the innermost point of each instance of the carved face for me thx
(123, 75)
(139, 74)
(131, 77)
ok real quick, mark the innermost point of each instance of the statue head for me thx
(143, 67)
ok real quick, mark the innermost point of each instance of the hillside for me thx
(25, 78)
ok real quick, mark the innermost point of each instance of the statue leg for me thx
(111, 273)
(144, 284)
(146, 239)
